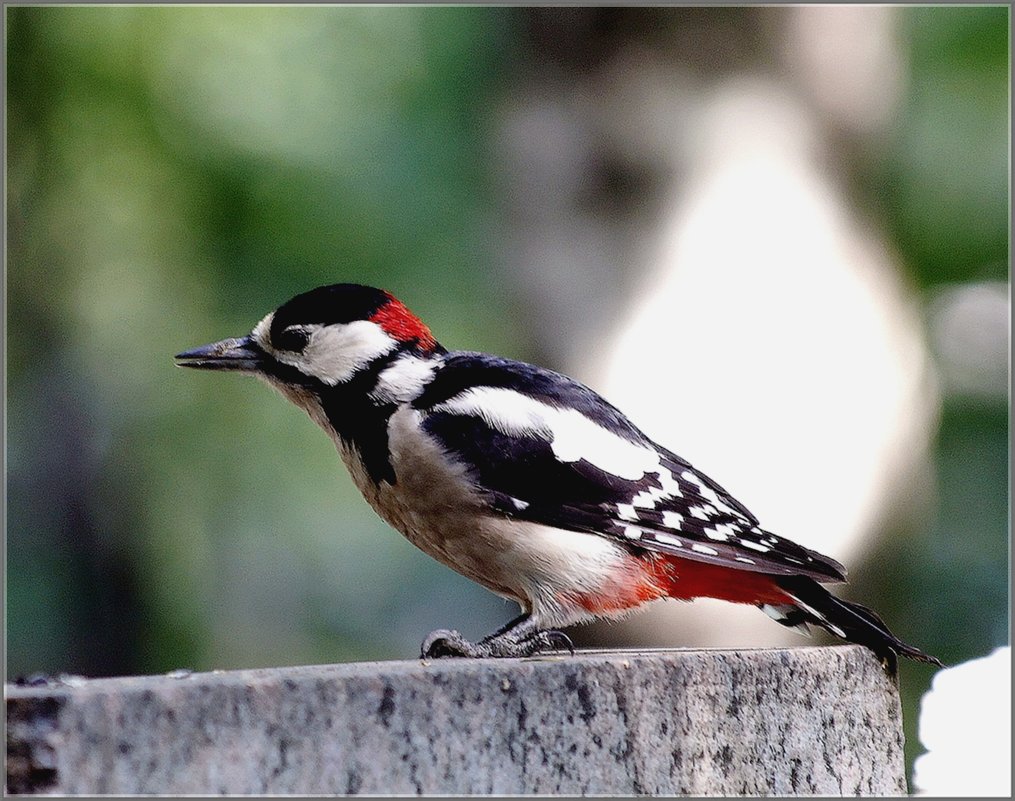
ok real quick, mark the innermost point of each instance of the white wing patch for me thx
(667, 508)
(721, 532)
(668, 488)
(673, 520)
(625, 511)
(698, 512)
(571, 435)
(708, 493)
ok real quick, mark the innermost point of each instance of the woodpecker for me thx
(526, 481)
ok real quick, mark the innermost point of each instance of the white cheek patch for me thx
(333, 353)
(336, 352)
(571, 434)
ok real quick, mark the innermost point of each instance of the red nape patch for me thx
(402, 324)
(685, 579)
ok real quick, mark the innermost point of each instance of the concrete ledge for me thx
(814, 721)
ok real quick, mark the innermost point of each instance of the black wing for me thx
(669, 507)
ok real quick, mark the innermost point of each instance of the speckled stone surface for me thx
(715, 722)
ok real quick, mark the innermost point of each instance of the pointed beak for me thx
(229, 354)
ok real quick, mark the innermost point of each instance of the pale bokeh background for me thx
(776, 237)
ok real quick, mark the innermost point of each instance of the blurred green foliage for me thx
(947, 178)
(173, 173)
(941, 187)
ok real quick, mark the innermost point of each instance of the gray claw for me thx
(445, 643)
(552, 640)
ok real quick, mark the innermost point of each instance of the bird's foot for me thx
(444, 643)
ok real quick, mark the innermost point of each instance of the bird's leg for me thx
(521, 637)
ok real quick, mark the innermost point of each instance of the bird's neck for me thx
(356, 412)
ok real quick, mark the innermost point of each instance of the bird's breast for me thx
(436, 504)
(433, 502)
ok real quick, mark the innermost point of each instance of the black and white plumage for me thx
(525, 480)
(550, 450)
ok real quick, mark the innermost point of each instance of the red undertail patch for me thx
(402, 324)
(647, 578)
(620, 597)
(686, 579)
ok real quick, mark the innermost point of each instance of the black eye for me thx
(292, 339)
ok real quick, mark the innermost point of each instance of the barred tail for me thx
(850, 621)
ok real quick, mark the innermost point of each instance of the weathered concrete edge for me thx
(41, 706)
(72, 686)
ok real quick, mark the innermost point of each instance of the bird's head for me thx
(322, 338)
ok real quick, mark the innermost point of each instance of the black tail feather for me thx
(849, 621)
